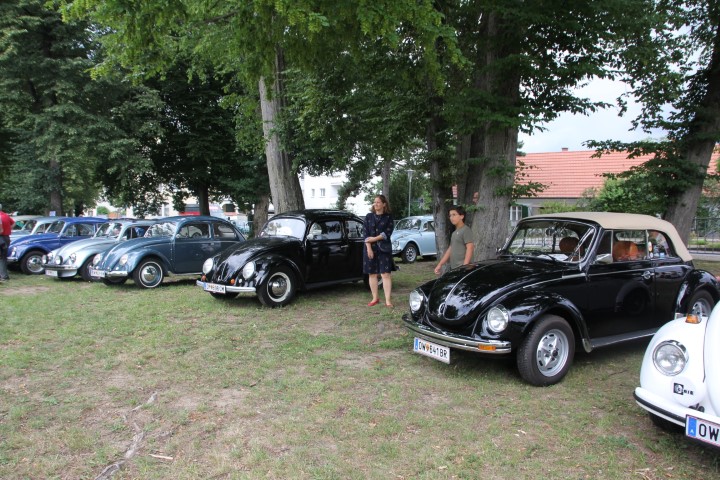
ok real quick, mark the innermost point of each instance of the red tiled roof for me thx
(568, 174)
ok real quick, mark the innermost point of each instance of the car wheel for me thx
(666, 425)
(409, 253)
(224, 296)
(31, 263)
(278, 289)
(85, 270)
(114, 281)
(149, 274)
(701, 304)
(547, 352)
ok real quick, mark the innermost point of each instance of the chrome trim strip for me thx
(452, 340)
(115, 273)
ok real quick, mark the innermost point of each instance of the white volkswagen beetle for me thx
(680, 380)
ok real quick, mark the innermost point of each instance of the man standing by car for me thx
(6, 224)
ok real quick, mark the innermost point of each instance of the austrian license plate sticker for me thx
(213, 287)
(432, 350)
(702, 430)
(51, 273)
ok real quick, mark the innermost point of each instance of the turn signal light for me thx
(692, 319)
(232, 281)
(487, 348)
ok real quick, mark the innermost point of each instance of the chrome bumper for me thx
(228, 288)
(59, 268)
(116, 273)
(453, 340)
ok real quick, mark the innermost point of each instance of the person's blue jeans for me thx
(4, 247)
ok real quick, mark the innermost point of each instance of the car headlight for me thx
(396, 245)
(416, 300)
(208, 266)
(13, 251)
(498, 319)
(58, 260)
(248, 270)
(670, 357)
(44, 259)
(97, 258)
(123, 260)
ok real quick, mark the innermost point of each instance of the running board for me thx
(625, 337)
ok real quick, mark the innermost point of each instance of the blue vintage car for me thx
(413, 237)
(76, 257)
(27, 251)
(173, 245)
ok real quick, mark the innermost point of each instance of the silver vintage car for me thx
(73, 258)
(413, 237)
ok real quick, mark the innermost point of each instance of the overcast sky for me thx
(571, 131)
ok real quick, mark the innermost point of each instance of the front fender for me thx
(136, 257)
(526, 307)
(267, 263)
(696, 280)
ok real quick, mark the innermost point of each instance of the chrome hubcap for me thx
(552, 352)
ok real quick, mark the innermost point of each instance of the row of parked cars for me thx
(561, 282)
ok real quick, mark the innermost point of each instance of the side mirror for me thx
(604, 259)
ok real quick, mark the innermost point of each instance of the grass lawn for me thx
(100, 382)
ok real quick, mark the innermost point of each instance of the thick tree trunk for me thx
(203, 199)
(56, 182)
(260, 216)
(699, 147)
(387, 163)
(441, 193)
(284, 183)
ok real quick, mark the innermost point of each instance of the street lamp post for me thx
(410, 175)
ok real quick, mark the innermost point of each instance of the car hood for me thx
(127, 246)
(398, 234)
(233, 259)
(89, 243)
(460, 295)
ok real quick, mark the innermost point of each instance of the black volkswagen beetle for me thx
(294, 251)
(562, 281)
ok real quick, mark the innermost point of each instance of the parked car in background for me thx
(172, 245)
(561, 282)
(680, 378)
(27, 251)
(413, 237)
(37, 225)
(23, 225)
(76, 257)
(294, 251)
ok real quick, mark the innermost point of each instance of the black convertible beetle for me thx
(561, 282)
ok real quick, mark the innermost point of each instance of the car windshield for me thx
(552, 239)
(55, 227)
(284, 227)
(109, 230)
(408, 224)
(162, 229)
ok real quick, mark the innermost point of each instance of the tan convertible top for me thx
(628, 221)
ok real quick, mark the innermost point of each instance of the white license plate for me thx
(702, 430)
(97, 273)
(51, 273)
(214, 287)
(432, 350)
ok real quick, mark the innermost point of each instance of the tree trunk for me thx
(441, 193)
(56, 181)
(387, 163)
(284, 182)
(698, 148)
(203, 199)
(260, 216)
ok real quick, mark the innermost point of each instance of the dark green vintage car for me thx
(561, 282)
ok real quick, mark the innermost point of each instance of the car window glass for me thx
(658, 245)
(628, 245)
(194, 230)
(404, 224)
(430, 226)
(138, 231)
(70, 231)
(284, 227)
(355, 229)
(163, 229)
(328, 230)
(86, 229)
(55, 227)
(223, 231)
(549, 239)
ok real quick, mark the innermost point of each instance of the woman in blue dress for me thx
(377, 255)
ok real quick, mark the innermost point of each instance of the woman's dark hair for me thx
(459, 209)
(385, 202)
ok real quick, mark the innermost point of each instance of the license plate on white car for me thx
(51, 273)
(97, 273)
(214, 287)
(702, 430)
(432, 350)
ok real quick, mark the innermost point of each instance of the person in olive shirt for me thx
(462, 244)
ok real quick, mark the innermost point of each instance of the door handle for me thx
(647, 275)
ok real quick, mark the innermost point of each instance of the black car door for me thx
(326, 252)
